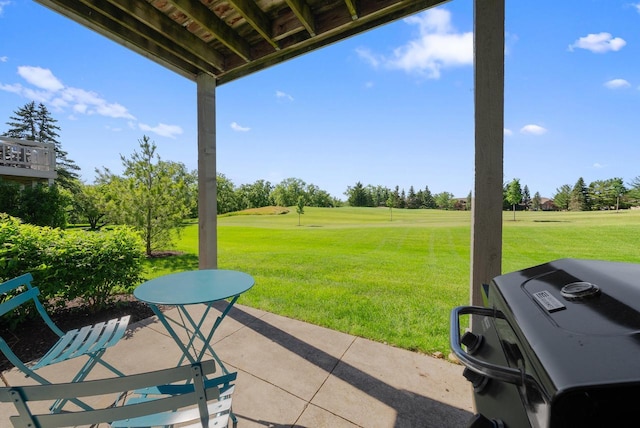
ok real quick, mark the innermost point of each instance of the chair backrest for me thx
(19, 291)
(164, 397)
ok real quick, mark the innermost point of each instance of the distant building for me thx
(547, 204)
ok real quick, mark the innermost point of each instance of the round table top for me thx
(192, 287)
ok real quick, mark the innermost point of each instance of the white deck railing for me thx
(22, 158)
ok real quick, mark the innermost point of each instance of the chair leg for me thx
(234, 420)
(94, 358)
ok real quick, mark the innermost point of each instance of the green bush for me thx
(69, 265)
(42, 205)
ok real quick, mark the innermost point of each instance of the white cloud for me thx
(599, 43)
(637, 6)
(43, 78)
(368, 84)
(437, 46)
(369, 57)
(617, 83)
(3, 4)
(162, 129)
(598, 165)
(236, 127)
(280, 94)
(16, 88)
(508, 132)
(533, 130)
(4, 58)
(48, 89)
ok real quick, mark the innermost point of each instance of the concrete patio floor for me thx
(294, 374)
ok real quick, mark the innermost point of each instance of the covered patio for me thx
(294, 374)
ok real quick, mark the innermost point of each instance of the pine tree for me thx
(36, 124)
(536, 202)
(579, 199)
(526, 197)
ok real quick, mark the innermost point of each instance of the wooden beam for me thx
(256, 18)
(181, 62)
(332, 26)
(351, 6)
(208, 20)
(486, 234)
(304, 14)
(151, 18)
(207, 188)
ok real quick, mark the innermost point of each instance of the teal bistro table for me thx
(198, 287)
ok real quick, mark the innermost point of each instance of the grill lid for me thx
(578, 320)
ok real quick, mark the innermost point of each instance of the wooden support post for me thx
(207, 189)
(486, 229)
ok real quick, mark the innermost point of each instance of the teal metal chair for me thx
(90, 341)
(181, 396)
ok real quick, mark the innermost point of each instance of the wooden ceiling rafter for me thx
(209, 21)
(228, 39)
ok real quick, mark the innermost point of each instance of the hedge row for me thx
(71, 264)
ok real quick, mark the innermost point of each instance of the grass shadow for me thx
(175, 263)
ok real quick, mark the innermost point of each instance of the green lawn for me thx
(354, 270)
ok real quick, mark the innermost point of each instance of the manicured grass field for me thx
(393, 281)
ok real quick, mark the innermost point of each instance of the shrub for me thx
(68, 265)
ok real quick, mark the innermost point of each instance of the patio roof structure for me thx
(213, 42)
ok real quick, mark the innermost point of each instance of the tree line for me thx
(609, 194)
(380, 196)
(154, 196)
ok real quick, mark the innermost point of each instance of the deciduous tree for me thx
(514, 195)
(152, 196)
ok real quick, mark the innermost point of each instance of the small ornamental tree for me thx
(514, 195)
(151, 197)
(300, 208)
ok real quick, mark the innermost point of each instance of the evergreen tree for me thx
(526, 197)
(427, 198)
(356, 196)
(633, 194)
(579, 199)
(536, 202)
(562, 197)
(396, 197)
(152, 196)
(412, 199)
(36, 124)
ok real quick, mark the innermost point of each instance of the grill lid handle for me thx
(492, 371)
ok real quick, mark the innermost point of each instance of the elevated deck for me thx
(27, 162)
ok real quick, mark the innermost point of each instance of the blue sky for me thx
(393, 106)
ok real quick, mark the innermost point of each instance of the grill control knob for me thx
(472, 341)
(478, 381)
(579, 290)
(481, 421)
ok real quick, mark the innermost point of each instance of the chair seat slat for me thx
(180, 417)
(199, 403)
(90, 341)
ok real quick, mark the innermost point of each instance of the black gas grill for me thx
(555, 345)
